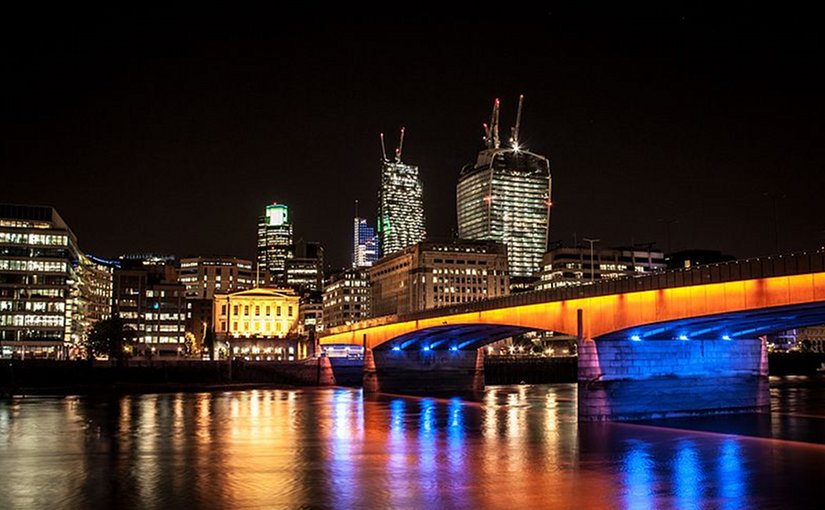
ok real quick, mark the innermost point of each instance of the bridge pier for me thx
(433, 372)
(632, 380)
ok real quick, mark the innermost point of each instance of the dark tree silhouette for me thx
(112, 338)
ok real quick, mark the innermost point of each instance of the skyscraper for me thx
(274, 242)
(400, 203)
(505, 196)
(364, 242)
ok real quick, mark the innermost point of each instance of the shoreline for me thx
(135, 389)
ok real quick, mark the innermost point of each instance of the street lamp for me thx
(592, 268)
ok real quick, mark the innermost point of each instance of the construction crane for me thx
(514, 130)
(400, 147)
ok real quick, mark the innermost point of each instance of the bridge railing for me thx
(746, 269)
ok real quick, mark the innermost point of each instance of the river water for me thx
(521, 447)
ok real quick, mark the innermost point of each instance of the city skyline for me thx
(724, 126)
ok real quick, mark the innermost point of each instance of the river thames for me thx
(520, 447)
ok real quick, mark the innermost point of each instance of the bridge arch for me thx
(729, 310)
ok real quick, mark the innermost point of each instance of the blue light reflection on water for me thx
(397, 450)
(731, 474)
(345, 425)
(456, 447)
(688, 476)
(427, 445)
(638, 467)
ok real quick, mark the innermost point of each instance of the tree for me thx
(112, 338)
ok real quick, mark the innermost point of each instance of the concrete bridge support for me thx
(424, 372)
(631, 380)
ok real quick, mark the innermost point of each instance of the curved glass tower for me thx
(505, 197)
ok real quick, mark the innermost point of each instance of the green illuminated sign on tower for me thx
(277, 215)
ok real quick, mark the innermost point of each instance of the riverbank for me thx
(45, 377)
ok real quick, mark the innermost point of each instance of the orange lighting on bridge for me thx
(606, 314)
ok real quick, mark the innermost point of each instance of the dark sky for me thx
(152, 130)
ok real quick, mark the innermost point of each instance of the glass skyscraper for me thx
(364, 244)
(400, 204)
(505, 197)
(274, 242)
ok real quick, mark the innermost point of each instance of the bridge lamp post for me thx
(592, 267)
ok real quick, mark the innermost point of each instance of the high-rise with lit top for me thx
(274, 242)
(505, 197)
(400, 203)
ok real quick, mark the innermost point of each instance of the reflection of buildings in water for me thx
(344, 444)
(330, 448)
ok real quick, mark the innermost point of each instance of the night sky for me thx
(169, 131)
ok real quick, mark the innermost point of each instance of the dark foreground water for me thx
(330, 448)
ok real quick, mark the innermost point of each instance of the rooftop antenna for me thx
(400, 147)
(383, 149)
(356, 201)
(515, 129)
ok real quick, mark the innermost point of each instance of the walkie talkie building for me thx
(505, 197)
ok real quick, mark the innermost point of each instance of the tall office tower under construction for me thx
(505, 197)
(400, 203)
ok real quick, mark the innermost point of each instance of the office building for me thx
(364, 244)
(346, 297)
(50, 293)
(400, 203)
(505, 197)
(311, 313)
(305, 270)
(432, 274)
(91, 300)
(274, 243)
(149, 299)
(566, 266)
(203, 276)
